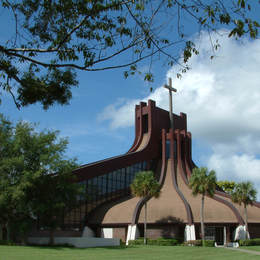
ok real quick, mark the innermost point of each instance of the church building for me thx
(111, 211)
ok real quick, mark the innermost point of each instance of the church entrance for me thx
(216, 233)
(219, 235)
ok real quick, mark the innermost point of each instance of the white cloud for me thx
(221, 99)
(224, 93)
(237, 168)
(120, 114)
(246, 167)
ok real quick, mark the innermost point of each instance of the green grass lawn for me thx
(133, 253)
(255, 248)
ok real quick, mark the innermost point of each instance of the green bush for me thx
(193, 243)
(209, 243)
(249, 242)
(139, 241)
(7, 243)
(163, 242)
(157, 242)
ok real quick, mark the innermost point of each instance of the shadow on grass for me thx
(51, 247)
(75, 248)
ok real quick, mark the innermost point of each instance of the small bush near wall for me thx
(193, 243)
(139, 241)
(7, 243)
(163, 242)
(157, 242)
(208, 243)
(249, 242)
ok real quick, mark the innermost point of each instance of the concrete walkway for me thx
(244, 250)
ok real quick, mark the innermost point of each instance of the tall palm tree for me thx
(145, 185)
(244, 193)
(204, 183)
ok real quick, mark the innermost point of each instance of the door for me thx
(219, 235)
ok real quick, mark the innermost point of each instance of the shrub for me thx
(249, 242)
(138, 241)
(7, 243)
(157, 242)
(209, 243)
(163, 242)
(193, 243)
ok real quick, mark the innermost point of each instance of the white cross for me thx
(171, 89)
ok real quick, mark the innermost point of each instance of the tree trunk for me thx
(245, 213)
(8, 231)
(145, 222)
(1, 232)
(202, 220)
(51, 238)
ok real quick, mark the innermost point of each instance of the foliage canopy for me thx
(35, 178)
(145, 185)
(204, 183)
(48, 41)
(227, 186)
(244, 193)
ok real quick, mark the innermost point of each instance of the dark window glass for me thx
(168, 145)
(175, 149)
(103, 188)
(145, 123)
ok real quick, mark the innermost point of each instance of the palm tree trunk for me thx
(245, 213)
(1, 232)
(51, 237)
(202, 219)
(8, 231)
(145, 222)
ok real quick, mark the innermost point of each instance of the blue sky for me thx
(220, 97)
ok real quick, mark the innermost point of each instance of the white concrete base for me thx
(107, 232)
(87, 232)
(233, 244)
(189, 233)
(240, 233)
(79, 242)
(225, 235)
(132, 233)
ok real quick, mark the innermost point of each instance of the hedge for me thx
(157, 242)
(171, 242)
(7, 243)
(249, 242)
(208, 243)
(193, 243)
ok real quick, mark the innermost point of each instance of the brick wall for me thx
(165, 231)
(120, 232)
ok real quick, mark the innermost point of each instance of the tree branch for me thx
(151, 38)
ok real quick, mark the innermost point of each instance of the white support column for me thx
(132, 233)
(88, 232)
(240, 233)
(189, 233)
(225, 235)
